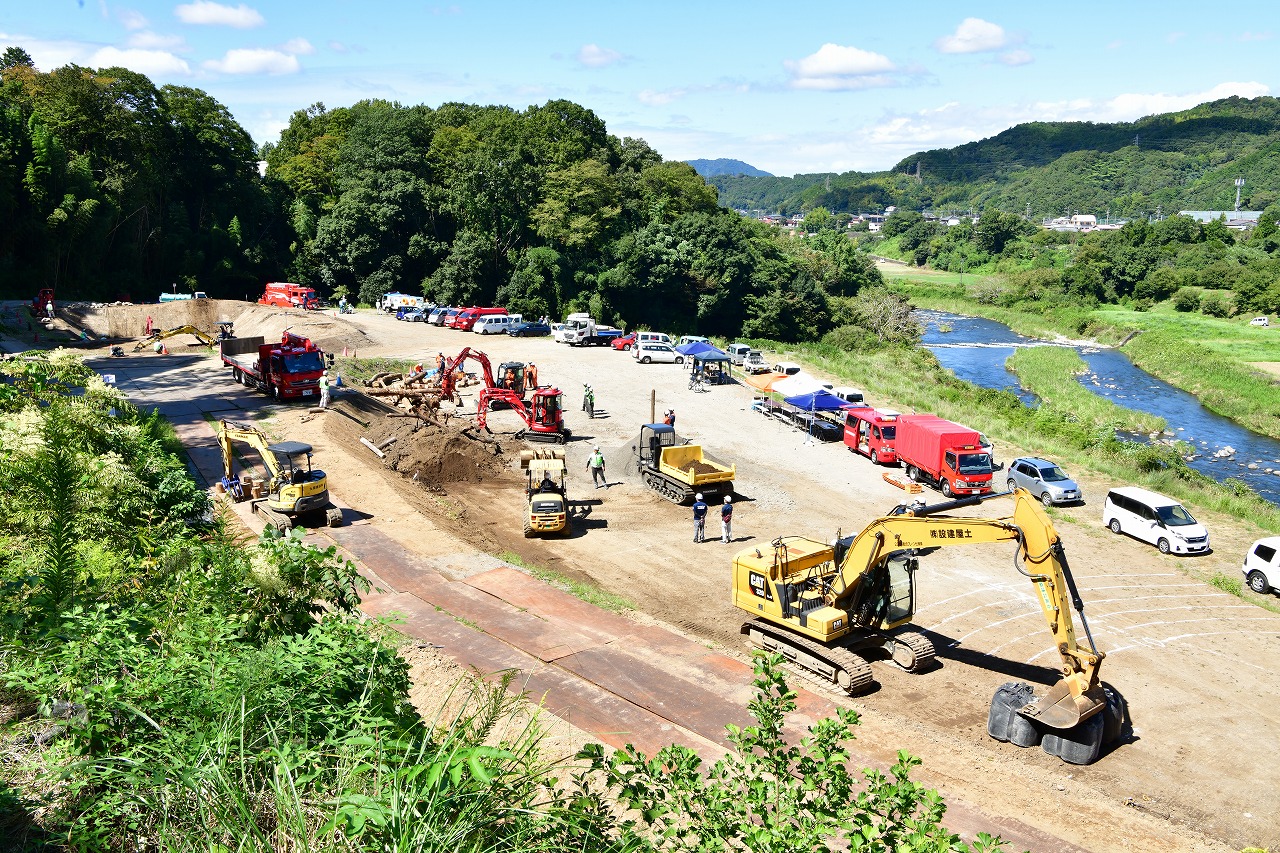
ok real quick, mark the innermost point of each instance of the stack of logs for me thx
(418, 392)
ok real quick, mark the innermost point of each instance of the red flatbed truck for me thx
(287, 370)
(872, 433)
(945, 455)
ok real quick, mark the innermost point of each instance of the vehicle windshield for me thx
(975, 463)
(888, 433)
(305, 362)
(1175, 516)
(1053, 474)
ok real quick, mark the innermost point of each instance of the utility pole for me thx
(1239, 186)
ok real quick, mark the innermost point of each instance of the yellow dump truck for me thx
(679, 471)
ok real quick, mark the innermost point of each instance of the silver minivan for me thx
(737, 353)
(1155, 519)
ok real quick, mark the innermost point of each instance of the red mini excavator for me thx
(542, 413)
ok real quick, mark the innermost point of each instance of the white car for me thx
(646, 353)
(1260, 321)
(1262, 565)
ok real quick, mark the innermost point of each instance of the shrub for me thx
(1186, 299)
(1217, 305)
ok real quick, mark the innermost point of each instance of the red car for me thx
(625, 342)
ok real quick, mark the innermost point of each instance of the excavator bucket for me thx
(1059, 709)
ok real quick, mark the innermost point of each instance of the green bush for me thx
(1186, 299)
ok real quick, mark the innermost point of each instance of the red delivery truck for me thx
(873, 433)
(285, 370)
(943, 454)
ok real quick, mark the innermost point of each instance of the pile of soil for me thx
(429, 455)
(124, 321)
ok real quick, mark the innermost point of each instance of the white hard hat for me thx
(699, 497)
(596, 448)
(728, 499)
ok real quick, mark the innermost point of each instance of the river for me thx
(975, 350)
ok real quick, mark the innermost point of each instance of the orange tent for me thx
(764, 381)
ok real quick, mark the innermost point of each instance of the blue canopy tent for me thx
(697, 347)
(807, 408)
(712, 363)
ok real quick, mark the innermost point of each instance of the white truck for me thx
(580, 330)
(394, 301)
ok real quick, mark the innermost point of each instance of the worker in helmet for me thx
(726, 520)
(531, 375)
(596, 466)
(699, 518)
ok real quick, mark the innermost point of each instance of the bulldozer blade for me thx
(1059, 709)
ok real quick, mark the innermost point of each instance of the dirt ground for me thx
(1194, 664)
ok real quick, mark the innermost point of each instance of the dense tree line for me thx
(111, 187)
(114, 188)
(1200, 266)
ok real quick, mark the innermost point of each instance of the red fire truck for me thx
(285, 294)
(872, 433)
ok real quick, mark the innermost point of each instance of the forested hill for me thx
(722, 166)
(1183, 160)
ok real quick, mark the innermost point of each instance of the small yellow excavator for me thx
(548, 496)
(829, 608)
(225, 332)
(294, 489)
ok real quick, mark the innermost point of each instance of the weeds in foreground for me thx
(578, 589)
(1229, 585)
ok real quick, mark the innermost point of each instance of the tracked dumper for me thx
(676, 470)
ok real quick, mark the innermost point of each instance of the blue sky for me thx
(788, 87)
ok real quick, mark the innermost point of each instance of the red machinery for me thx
(543, 415)
(40, 302)
(286, 294)
(285, 370)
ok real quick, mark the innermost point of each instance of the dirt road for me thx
(1196, 770)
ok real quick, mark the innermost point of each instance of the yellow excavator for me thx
(225, 332)
(294, 489)
(829, 608)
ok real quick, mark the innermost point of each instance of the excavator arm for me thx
(203, 337)
(229, 433)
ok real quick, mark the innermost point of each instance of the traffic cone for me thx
(164, 350)
(344, 352)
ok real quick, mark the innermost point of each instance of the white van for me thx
(496, 324)
(787, 368)
(643, 338)
(1262, 565)
(1155, 519)
(737, 353)
(850, 395)
(692, 339)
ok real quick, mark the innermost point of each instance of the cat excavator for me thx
(830, 608)
(294, 489)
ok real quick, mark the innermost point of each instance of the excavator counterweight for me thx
(829, 608)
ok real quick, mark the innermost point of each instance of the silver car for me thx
(1045, 480)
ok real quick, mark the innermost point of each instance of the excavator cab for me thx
(511, 375)
(548, 413)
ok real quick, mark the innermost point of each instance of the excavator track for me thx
(833, 665)
(663, 487)
(912, 651)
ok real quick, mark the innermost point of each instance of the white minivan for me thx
(1262, 565)
(737, 353)
(1154, 518)
(496, 324)
(643, 338)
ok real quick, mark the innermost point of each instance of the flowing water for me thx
(975, 350)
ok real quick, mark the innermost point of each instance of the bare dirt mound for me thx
(331, 334)
(428, 455)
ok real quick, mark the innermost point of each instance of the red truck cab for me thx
(872, 432)
(286, 294)
(946, 455)
(454, 321)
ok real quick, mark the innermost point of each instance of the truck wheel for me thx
(946, 488)
(238, 376)
(1258, 582)
(912, 474)
(1115, 525)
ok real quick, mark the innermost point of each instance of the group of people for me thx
(700, 509)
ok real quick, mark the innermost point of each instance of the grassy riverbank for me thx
(1050, 373)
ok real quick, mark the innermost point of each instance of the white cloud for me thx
(207, 12)
(837, 67)
(1250, 36)
(254, 61)
(132, 19)
(147, 40)
(1016, 57)
(1132, 106)
(153, 63)
(650, 98)
(297, 47)
(594, 56)
(974, 35)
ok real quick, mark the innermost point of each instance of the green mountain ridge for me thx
(726, 166)
(1167, 162)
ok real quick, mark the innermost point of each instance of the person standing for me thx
(148, 325)
(596, 466)
(670, 418)
(726, 520)
(699, 519)
(324, 390)
(531, 376)
(49, 307)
